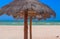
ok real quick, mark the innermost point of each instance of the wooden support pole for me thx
(30, 27)
(26, 25)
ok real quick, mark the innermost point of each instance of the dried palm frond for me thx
(35, 9)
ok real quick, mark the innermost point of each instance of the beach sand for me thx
(38, 32)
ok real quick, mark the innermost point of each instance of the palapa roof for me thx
(35, 9)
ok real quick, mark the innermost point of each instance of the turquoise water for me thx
(10, 22)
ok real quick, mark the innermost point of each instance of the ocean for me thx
(19, 22)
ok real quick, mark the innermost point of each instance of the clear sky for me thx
(54, 4)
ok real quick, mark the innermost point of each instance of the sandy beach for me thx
(38, 31)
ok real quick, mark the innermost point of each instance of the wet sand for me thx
(39, 32)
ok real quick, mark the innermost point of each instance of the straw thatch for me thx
(35, 9)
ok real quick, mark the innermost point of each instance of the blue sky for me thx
(54, 4)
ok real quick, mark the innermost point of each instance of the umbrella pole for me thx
(26, 25)
(30, 27)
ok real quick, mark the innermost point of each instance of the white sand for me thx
(39, 32)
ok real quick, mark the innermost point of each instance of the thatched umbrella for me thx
(28, 9)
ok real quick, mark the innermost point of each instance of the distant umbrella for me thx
(28, 9)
